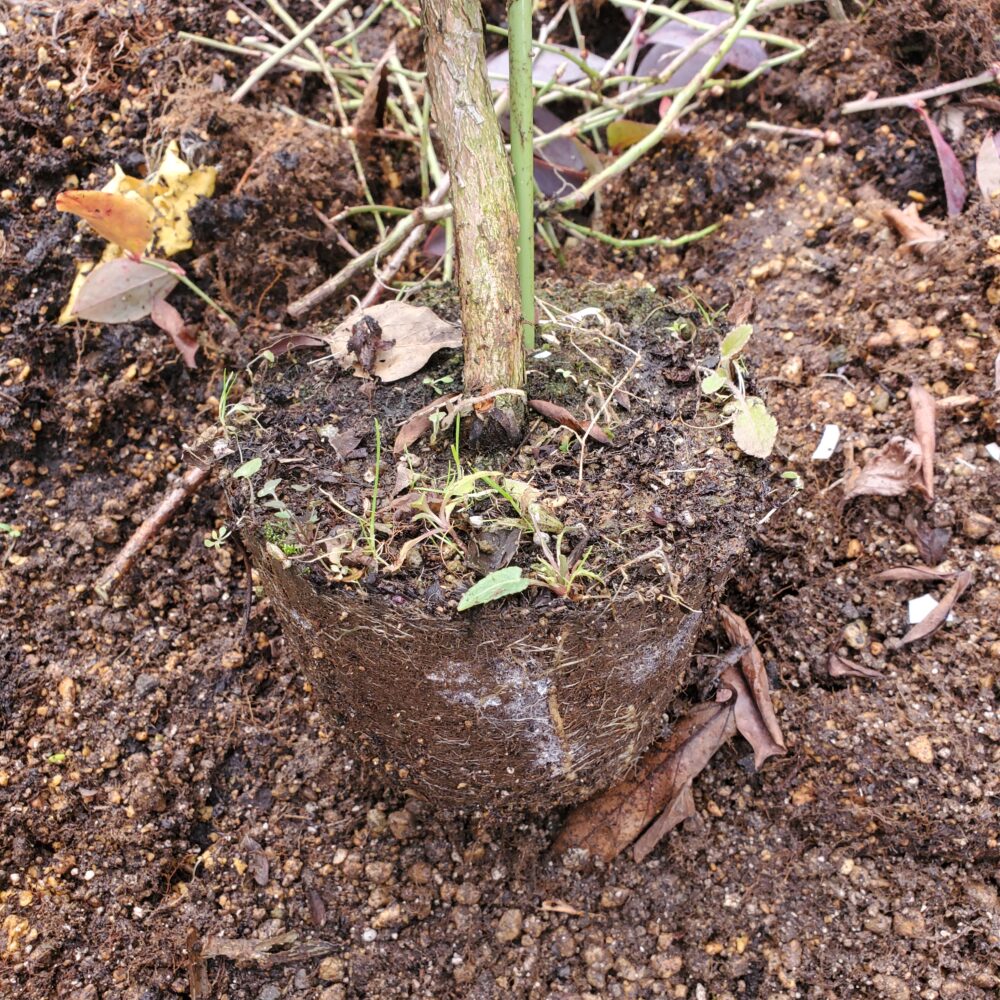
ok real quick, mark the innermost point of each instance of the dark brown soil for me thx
(166, 778)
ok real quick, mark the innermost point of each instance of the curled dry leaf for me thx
(940, 614)
(123, 290)
(365, 342)
(415, 333)
(609, 822)
(755, 675)
(292, 340)
(840, 666)
(168, 319)
(680, 809)
(916, 233)
(419, 423)
(952, 172)
(932, 543)
(560, 415)
(892, 472)
(922, 404)
(749, 721)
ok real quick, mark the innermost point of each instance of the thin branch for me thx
(396, 235)
(992, 75)
(147, 531)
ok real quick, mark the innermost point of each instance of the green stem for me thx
(643, 241)
(189, 284)
(521, 151)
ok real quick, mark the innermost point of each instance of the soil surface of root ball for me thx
(545, 696)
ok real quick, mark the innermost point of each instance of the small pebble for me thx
(920, 749)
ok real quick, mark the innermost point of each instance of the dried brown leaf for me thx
(931, 543)
(922, 404)
(560, 415)
(749, 720)
(292, 340)
(416, 333)
(245, 949)
(680, 809)
(891, 473)
(754, 672)
(940, 614)
(910, 573)
(839, 666)
(916, 233)
(419, 423)
(370, 116)
(609, 822)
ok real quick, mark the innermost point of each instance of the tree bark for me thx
(485, 217)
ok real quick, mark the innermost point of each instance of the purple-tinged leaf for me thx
(562, 151)
(547, 66)
(988, 167)
(659, 57)
(168, 319)
(746, 54)
(436, 243)
(123, 290)
(951, 170)
(557, 182)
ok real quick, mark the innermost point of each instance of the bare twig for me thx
(905, 100)
(147, 531)
(398, 259)
(396, 235)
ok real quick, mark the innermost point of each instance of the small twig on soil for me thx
(905, 100)
(829, 136)
(396, 235)
(398, 259)
(147, 531)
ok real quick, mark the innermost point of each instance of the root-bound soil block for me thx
(543, 697)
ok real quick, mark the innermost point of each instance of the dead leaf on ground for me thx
(680, 809)
(609, 822)
(370, 116)
(932, 543)
(840, 666)
(419, 423)
(916, 233)
(755, 674)
(123, 290)
(891, 473)
(168, 319)
(559, 906)
(290, 341)
(940, 614)
(415, 332)
(265, 951)
(120, 219)
(560, 415)
(749, 720)
(910, 573)
(922, 404)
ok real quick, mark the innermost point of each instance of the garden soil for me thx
(180, 818)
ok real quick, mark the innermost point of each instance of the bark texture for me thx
(483, 198)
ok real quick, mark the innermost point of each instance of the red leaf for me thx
(951, 170)
(167, 318)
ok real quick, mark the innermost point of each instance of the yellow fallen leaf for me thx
(181, 187)
(69, 310)
(126, 221)
(622, 134)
